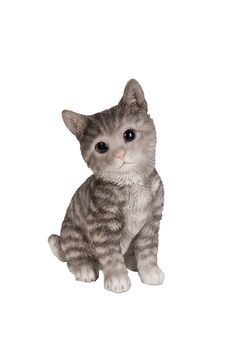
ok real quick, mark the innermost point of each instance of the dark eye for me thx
(129, 135)
(101, 147)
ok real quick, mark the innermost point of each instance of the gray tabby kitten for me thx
(113, 219)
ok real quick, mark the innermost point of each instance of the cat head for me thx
(118, 142)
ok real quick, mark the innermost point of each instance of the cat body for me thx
(113, 219)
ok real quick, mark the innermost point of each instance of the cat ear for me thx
(133, 99)
(75, 122)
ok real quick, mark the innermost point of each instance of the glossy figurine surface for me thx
(113, 219)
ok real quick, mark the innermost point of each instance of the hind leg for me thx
(79, 258)
(55, 245)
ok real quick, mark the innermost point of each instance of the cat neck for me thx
(123, 179)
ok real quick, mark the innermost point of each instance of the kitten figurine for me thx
(113, 219)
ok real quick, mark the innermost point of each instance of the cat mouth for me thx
(125, 163)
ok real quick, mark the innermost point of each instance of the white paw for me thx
(117, 282)
(86, 273)
(152, 275)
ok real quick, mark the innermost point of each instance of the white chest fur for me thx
(136, 211)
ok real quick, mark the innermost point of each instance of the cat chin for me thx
(122, 178)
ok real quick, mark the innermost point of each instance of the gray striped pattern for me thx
(113, 220)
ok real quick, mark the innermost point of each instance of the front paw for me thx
(86, 273)
(117, 283)
(151, 275)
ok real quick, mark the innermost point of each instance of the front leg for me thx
(113, 266)
(146, 245)
(146, 248)
(105, 230)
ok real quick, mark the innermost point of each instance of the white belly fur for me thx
(137, 211)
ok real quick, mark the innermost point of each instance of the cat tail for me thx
(55, 244)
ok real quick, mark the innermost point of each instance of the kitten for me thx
(113, 219)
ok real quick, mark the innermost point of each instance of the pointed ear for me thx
(75, 122)
(133, 99)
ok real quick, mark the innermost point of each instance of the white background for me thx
(79, 55)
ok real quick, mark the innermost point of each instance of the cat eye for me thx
(129, 135)
(101, 147)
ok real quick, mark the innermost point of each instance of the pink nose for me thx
(120, 154)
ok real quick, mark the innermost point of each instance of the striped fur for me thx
(113, 219)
